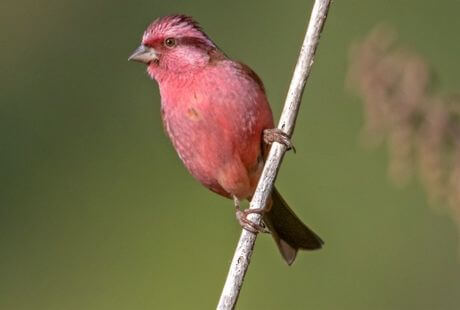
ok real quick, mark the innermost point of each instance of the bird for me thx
(217, 116)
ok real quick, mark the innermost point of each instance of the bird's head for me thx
(174, 44)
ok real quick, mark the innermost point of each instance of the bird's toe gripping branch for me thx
(277, 135)
(242, 217)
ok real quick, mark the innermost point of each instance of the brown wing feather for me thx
(249, 72)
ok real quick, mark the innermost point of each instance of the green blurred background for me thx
(97, 211)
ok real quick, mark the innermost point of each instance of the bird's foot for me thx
(242, 217)
(277, 135)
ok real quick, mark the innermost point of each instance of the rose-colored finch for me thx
(217, 115)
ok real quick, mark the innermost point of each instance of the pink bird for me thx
(217, 115)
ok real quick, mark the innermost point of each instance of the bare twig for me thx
(243, 252)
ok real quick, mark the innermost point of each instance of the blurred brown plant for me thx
(401, 106)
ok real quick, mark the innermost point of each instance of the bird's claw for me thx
(242, 217)
(277, 135)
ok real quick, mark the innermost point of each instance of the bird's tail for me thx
(289, 232)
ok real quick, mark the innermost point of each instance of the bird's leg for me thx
(277, 135)
(242, 217)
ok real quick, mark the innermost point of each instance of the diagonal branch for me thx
(244, 249)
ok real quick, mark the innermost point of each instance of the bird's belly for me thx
(200, 145)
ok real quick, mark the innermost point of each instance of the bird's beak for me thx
(143, 54)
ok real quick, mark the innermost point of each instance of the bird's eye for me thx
(170, 42)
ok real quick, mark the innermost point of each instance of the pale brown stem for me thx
(244, 249)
